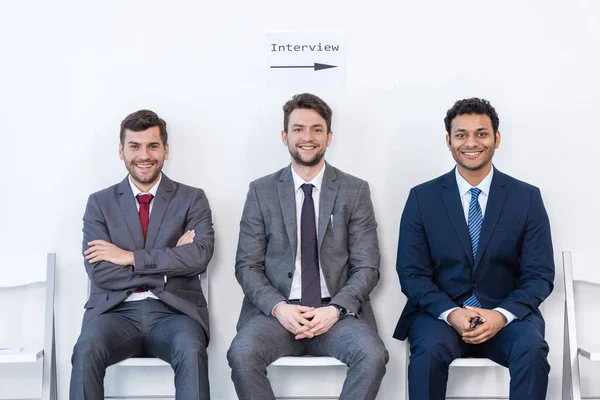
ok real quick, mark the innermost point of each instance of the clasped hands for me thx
(305, 322)
(101, 250)
(491, 323)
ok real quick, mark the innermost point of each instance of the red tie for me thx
(144, 200)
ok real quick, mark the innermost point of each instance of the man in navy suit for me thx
(475, 261)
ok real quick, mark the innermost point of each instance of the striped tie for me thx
(309, 256)
(475, 220)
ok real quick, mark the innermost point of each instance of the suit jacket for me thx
(514, 265)
(348, 248)
(111, 215)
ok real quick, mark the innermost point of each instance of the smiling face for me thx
(473, 142)
(306, 138)
(144, 155)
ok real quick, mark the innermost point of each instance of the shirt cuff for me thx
(510, 317)
(444, 315)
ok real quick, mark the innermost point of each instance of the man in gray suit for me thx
(307, 259)
(145, 241)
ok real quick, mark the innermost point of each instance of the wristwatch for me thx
(342, 312)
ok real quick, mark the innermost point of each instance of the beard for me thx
(145, 178)
(306, 163)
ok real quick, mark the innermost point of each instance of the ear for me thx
(284, 138)
(167, 151)
(448, 141)
(497, 139)
(121, 152)
(329, 136)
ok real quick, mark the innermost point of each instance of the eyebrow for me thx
(149, 144)
(300, 125)
(478, 129)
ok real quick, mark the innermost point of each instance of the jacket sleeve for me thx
(250, 257)
(414, 264)
(537, 262)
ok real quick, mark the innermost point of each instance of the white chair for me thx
(47, 353)
(468, 362)
(153, 362)
(581, 270)
(307, 361)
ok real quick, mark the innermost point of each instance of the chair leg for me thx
(567, 378)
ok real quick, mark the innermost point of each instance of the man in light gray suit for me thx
(307, 259)
(145, 241)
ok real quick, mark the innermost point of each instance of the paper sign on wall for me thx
(305, 58)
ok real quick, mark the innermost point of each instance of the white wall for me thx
(71, 70)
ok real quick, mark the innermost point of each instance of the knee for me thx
(433, 351)
(89, 350)
(191, 349)
(530, 350)
(374, 355)
(243, 352)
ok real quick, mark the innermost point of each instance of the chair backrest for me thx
(33, 274)
(24, 287)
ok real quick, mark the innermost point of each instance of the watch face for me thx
(342, 313)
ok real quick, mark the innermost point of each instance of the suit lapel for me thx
(129, 210)
(493, 209)
(454, 208)
(329, 190)
(287, 202)
(161, 201)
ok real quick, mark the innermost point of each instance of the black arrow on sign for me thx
(316, 66)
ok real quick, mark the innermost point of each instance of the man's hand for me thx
(101, 250)
(494, 321)
(186, 238)
(291, 318)
(460, 319)
(322, 318)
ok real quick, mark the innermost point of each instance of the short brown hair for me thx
(142, 120)
(307, 101)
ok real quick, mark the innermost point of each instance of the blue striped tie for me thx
(475, 220)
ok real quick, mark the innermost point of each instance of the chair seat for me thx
(474, 362)
(23, 356)
(591, 353)
(307, 361)
(143, 362)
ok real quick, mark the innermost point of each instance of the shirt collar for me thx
(152, 191)
(464, 186)
(317, 181)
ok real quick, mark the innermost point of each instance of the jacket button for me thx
(129, 292)
(473, 286)
(290, 275)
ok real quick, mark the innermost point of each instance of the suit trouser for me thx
(434, 344)
(263, 340)
(141, 328)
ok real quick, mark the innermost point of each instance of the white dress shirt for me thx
(464, 190)
(143, 295)
(317, 182)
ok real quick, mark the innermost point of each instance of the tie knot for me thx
(307, 188)
(475, 192)
(144, 198)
